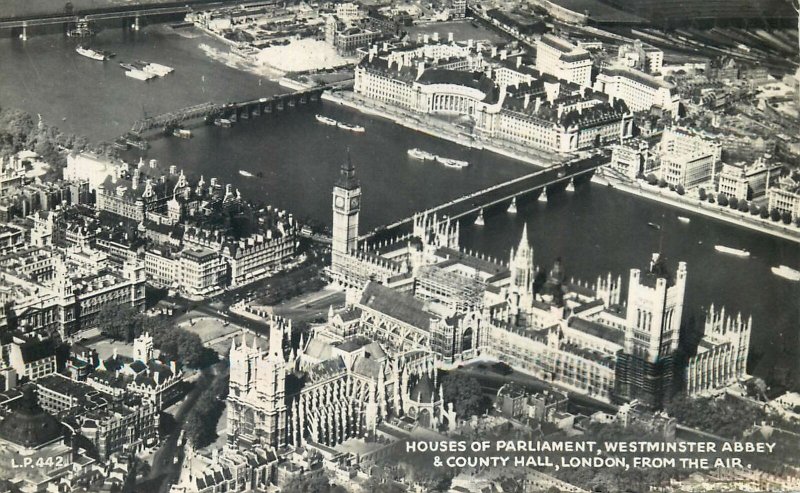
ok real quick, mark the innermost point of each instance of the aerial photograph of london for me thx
(390, 246)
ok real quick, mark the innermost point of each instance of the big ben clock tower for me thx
(346, 206)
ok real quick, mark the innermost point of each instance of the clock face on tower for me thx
(354, 202)
(340, 202)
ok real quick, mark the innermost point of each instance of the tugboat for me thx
(512, 208)
(479, 219)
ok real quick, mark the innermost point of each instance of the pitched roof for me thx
(598, 330)
(37, 350)
(396, 305)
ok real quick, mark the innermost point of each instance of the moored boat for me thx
(90, 53)
(732, 251)
(182, 133)
(156, 68)
(326, 120)
(421, 155)
(223, 122)
(786, 272)
(352, 128)
(452, 163)
(683, 219)
(138, 74)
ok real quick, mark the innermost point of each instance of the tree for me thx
(775, 214)
(121, 322)
(786, 217)
(764, 213)
(701, 193)
(733, 203)
(651, 179)
(680, 190)
(754, 209)
(743, 206)
(722, 199)
(662, 183)
(466, 395)
(317, 483)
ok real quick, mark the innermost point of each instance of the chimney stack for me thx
(436, 37)
(420, 69)
(449, 37)
(519, 61)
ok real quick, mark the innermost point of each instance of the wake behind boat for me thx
(786, 272)
(732, 251)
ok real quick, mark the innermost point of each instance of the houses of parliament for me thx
(422, 303)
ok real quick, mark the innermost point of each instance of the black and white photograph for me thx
(399, 246)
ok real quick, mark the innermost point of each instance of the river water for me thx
(595, 230)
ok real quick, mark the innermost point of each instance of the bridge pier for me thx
(24, 34)
(136, 24)
(543, 195)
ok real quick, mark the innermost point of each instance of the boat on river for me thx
(786, 272)
(452, 163)
(421, 155)
(732, 251)
(90, 53)
(352, 128)
(246, 173)
(684, 219)
(326, 120)
(654, 225)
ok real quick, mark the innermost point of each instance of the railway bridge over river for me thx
(231, 112)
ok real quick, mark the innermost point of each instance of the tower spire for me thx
(347, 174)
(524, 244)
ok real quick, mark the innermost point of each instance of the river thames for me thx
(594, 230)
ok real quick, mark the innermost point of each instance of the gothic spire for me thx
(524, 244)
(347, 175)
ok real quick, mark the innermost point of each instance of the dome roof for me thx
(28, 425)
(422, 391)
